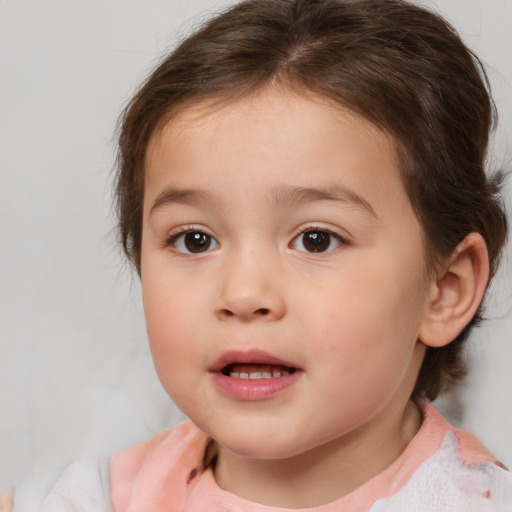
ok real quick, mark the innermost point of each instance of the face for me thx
(283, 274)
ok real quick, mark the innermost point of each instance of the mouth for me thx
(253, 375)
(252, 364)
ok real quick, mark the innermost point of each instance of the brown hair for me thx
(398, 65)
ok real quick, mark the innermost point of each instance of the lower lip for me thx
(254, 389)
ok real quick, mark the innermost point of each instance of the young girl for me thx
(301, 190)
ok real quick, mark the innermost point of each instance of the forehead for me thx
(272, 107)
(278, 137)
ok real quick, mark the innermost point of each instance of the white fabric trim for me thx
(82, 487)
(445, 483)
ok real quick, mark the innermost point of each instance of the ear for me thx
(456, 293)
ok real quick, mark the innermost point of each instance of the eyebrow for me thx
(288, 195)
(172, 195)
(298, 196)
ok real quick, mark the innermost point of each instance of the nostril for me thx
(261, 312)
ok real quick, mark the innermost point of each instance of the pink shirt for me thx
(442, 469)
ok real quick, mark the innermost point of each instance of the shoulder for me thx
(458, 474)
(83, 485)
(145, 476)
(182, 443)
(157, 473)
(446, 481)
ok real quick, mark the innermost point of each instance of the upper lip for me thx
(250, 356)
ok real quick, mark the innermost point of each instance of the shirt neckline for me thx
(426, 442)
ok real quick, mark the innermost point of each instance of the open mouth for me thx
(253, 374)
(256, 371)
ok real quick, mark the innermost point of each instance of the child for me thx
(301, 190)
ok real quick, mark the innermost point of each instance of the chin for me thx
(263, 445)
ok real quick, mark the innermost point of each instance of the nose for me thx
(250, 290)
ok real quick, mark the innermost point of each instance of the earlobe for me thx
(456, 293)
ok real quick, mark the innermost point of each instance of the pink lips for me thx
(279, 374)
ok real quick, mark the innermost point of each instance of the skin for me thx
(7, 501)
(349, 317)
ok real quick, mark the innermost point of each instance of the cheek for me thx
(170, 330)
(366, 325)
(171, 301)
(173, 349)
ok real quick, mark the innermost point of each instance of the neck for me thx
(325, 473)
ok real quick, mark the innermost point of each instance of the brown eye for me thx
(316, 240)
(193, 242)
(197, 242)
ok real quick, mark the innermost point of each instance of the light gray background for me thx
(75, 374)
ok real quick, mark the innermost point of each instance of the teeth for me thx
(259, 375)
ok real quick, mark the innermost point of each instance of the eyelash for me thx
(174, 238)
